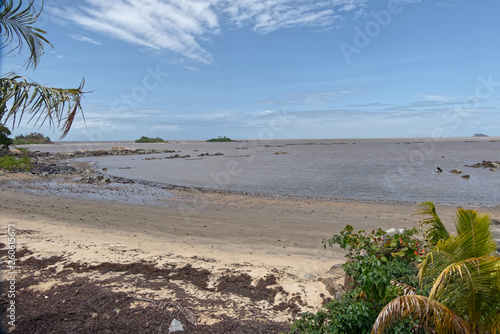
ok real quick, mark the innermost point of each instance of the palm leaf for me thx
(56, 106)
(17, 24)
(475, 229)
(436, 229)
(425, 313)
(472, 289)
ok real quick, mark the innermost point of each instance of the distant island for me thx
(32, 138)
(220, 139)
(480, 135)
(144, 139)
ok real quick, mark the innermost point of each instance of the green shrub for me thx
(375, 260)
(5, 141)
(144, 139)
(378, 243)
(12, 163)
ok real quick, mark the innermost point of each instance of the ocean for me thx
(379, 170)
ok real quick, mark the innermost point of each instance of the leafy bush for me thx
(5, 141)
(144, 139)
(12, 163)
(375, 261)
(220, 139)
(32, 138)
(348, 315)
(378, 243)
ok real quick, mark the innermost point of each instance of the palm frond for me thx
(472, 289)
(428, 314)
(16, 23)
(435, 230)
(475, 230)
(405, 288)
(56, 106)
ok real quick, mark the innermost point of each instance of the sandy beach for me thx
(231, 245)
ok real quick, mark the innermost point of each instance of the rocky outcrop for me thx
(117, 150)
(492, 165)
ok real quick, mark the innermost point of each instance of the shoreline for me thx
(224, 248)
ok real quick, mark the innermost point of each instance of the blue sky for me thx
(250, 69)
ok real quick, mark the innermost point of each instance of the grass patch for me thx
(10, 163)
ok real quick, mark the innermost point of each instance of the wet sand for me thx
(222, 233)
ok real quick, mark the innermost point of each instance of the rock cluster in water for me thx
(492, 165)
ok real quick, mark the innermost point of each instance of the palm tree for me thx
(463, 272)
(20, 97)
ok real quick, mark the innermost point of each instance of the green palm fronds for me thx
(17, 24)
(56, 106)
(463, 272)
(435, 227)
(18, 96)
(428, 314)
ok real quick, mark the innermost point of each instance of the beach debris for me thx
(175, 326)
(280, 152)
(392, 231)
(439, 170)
(456, 171)
(188, 314)
(466, 176)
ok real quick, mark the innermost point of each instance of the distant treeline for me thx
(32, 138)
(220, 139)
(144, 139)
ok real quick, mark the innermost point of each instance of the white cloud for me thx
(179, 26)
(269, 15)
(80, 38)
(317, 98)
(437, 97)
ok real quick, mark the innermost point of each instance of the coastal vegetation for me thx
(144, 139)
(12, 163)
(20, 97)
(5, 141)
(439, 283)
(32, 138)
(220, 139)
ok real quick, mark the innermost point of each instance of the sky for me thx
(272, 69)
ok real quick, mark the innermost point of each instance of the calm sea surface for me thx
(344, 169)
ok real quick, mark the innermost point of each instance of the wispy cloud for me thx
(437, 97)
(317, 98)
(269, 15)
(181, 26)
(80, 38)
